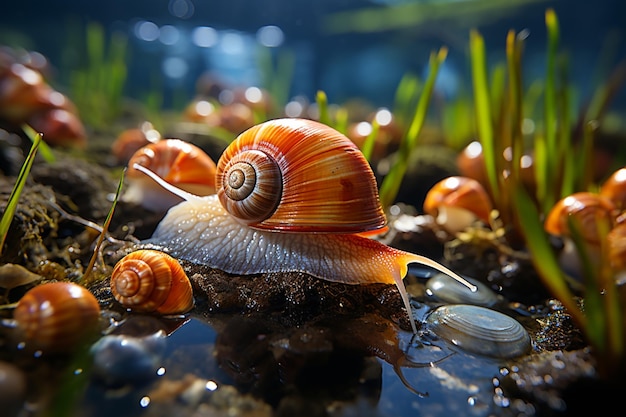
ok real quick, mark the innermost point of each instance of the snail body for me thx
(151, 281)
(318, 196)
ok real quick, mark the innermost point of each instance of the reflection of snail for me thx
(292, 195)
(56, 317)
(151, 281)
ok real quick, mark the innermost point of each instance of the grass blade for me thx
(391, 183)
(482, 105)
(543, 256)
(9, 211)
(105, 228)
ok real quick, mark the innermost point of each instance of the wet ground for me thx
(271, 344)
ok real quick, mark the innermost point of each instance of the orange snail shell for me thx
(57, 317)
(179, 163)
(298, 175)
(458, 201)
(585, 207)
(151, 281)
(614, 188)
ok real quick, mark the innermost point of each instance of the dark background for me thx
(367, 65)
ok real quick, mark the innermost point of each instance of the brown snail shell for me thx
(180, 163)
(56, 317)
(587, 209)
(456, 202)
(151, 281)
(614, 188)
(298, 175)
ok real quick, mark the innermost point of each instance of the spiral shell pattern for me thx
(151, 281)
(298, 175)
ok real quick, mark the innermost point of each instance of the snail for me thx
(130, 141)
(151, 281)
(456, 202)
(26, 97)
(178, 162)
(56, 317)
(614, 188)
(589, 213)
(584, 208)
(292, 195)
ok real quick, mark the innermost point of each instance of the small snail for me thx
(179, 163)
(292, 195)
(457, 202)
(587, 212)
(26, 97)
(151, 281)
(130, 141)
(60, 127)
(56, 317)
(614, 188)
(585, 208)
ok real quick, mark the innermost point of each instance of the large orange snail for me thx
(292, 195)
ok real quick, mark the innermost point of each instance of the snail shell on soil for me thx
(56, 317)
(585, 208)
(304, 180)
(614, 188)
(444, 288)
(151, 281)
(180, 163)
(480, 330)
(457, 202)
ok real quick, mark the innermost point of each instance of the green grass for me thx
(9, 211)
(563, 163)
(391, 183)
(97, 87)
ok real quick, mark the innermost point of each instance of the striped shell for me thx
(151, 281)
(177, 162)
(584, 208)
(56, 317)
(298, 175)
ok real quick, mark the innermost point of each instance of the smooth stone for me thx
(480, 330)
(446, 289)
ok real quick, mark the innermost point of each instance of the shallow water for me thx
(449, 381)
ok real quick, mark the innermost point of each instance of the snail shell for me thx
(584, 207)
(457, 202)
(614, 188)
(60, 127)
(301, 176)
(480, 330)
(179, 163)
(151, 281)
(56, 317)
